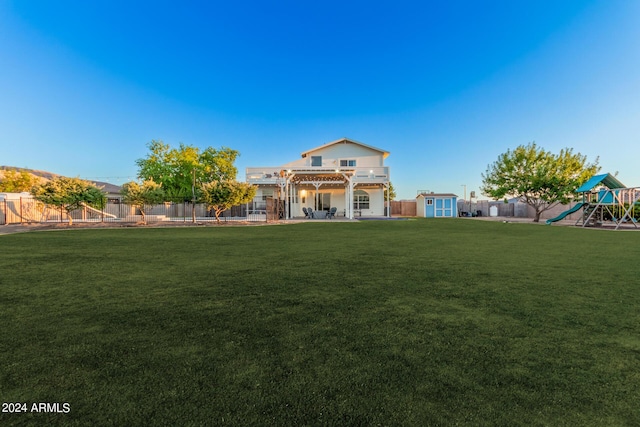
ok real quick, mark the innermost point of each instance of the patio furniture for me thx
(320, 214)
(310, 211)
(332, 213)
(306, 213)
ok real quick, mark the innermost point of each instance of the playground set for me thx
(605, 200)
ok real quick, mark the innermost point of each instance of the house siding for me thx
(301, 181)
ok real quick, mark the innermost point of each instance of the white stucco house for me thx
(346, 175)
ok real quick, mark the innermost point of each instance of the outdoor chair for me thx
(306, 213)
(310, 211)
(332, 213)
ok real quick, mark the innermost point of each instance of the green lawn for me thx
(419, 322)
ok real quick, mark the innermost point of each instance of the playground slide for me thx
(565, 213)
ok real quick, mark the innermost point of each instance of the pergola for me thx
(346, 178)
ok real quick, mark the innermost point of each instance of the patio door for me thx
(322, 202)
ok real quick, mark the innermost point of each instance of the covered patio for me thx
(344, 189)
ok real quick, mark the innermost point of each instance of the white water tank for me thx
(493, 211)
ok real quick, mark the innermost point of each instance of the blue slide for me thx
(565, 213)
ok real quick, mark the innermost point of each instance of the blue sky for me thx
(444, 86)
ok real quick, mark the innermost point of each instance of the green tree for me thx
(537, 177)
(180, 171)
(391, 191)
(16, 182)
(142, 195)
(69, 194)
(221, 195)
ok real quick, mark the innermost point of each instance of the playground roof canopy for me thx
(606, 179)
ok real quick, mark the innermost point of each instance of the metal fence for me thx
(28, 210)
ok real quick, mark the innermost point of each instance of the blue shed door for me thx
(444, 208)
(439, 208)
(428, 208)
(447, 208)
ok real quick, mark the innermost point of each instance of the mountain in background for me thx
(106, 187)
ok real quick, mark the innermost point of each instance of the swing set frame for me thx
(607, 200)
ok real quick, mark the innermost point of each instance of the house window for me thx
(347, 163)
(267, 192)
(429, 202)
(316, 160)
(360, 200)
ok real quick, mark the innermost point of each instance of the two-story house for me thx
(344, 174)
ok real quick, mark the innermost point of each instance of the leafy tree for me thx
(537, 177)
(69, 194)
(221, 195)
(142, 195)
(391, 191)
(180, 171)
(218, 165)
(17, 182)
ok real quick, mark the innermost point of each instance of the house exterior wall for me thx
(306, 197)
(376, 201)
(331, 156)
(322, 199)
(336, 184)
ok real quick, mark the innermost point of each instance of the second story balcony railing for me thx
(268, 174)
(271, 174)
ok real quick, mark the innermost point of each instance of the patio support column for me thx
(284, 188)
(386, 187)
(287, 208)
(317, 185)
(350, 205)
(348, 196)
(286, 197)
(292, 198)
(346, 200)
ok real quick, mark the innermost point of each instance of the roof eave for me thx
(385, 153)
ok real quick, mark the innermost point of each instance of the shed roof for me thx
(605, 179)
(436, 195)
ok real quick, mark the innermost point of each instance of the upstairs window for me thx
(316, 160)
(347, 163)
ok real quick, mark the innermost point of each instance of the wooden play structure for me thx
(605, 200)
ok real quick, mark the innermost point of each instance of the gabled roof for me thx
(606, 179)
(345, 140)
